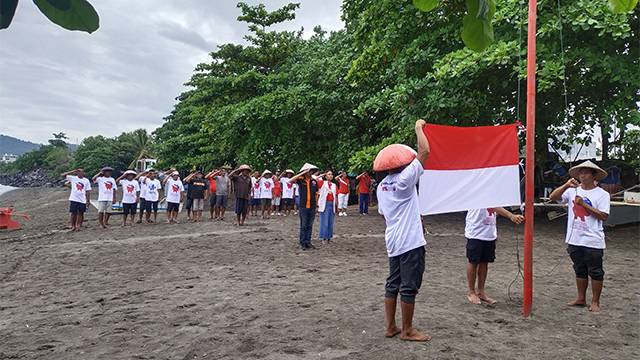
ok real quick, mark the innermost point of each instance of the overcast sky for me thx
(125, 75)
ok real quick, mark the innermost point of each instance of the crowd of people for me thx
(310, 191)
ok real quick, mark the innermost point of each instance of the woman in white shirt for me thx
(327, 203)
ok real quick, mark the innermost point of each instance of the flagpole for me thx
(527, 294)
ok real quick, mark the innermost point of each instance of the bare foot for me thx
(473, 298)
(392, 332)
(485, 298)
(577, 302)
(594, 307)
(414, 335)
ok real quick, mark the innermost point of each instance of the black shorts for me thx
(265, 202)
(587, 262)
(143, 204)
(481, 251)
(287, 202)
(151, 205)
(77, 207)
(241, 206)
(405, 275)
(171, 206)
(129, 209)
(188, 203)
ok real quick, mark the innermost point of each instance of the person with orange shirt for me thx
(343, 193)
(364, 187)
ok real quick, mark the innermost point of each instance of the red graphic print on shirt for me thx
(130, 188)
(175, 188)
(79, 186)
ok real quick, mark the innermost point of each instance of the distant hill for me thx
(11, 145)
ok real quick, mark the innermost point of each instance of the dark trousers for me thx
(306, 225)
(364, 203)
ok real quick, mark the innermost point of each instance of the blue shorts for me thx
(221, 200)
(241, 206)
(255, 202)
(77, 207)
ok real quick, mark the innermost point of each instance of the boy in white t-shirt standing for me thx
(287, 192)
(175, 192)
(106, 194)
(404, 235)
(79, 196)
(130, 188)
(588, 208)
(481, 233)
(266, 192)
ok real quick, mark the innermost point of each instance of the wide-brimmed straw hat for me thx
(130, 172)
(289, 171)
(600, 174)
(393, 156)
(308, 166)
(175, 173)
(266, 172)
(107, 168)
(244, 167)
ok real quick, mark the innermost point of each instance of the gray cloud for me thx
(128, 73)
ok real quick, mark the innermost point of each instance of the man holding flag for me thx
(404, 235)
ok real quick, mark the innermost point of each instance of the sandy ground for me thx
(216, 291)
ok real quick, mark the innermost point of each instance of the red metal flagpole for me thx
(527, 295)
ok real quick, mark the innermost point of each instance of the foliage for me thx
(69, 14)
(53, 158)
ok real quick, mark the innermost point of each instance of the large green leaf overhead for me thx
(477, 30)
(7, 10)
(622, 6)
(426, 5)
(70, 14)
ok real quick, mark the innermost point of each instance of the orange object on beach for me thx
(5, 219)
(393, 156)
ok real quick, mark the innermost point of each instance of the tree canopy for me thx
(336, 98)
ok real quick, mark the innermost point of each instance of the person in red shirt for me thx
(212, 190)
(364, 186)
(343, 193)
(277, 195)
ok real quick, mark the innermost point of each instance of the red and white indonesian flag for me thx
(470, 168)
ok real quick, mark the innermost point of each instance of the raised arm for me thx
(141, 174)
(65, 174)
(423, 143)
(96, 176)
(119, 178)
(556, 195)
(189, 177)
(296, 177)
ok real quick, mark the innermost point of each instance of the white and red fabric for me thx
(470, 168)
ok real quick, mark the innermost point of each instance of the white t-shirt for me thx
(266, 188)
(129, 189)
(584, 229)
(398, 202)
(153, 189)
(174, 189)
(143, 187)
(480, 224)
(106, 188)
(295, 190)
(79, 188)
(287, 188)
(255, 188)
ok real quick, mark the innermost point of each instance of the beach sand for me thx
(215, 291)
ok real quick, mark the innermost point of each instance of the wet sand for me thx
(215, 291)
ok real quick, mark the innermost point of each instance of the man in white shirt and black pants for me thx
(404, 235)
(588, 208)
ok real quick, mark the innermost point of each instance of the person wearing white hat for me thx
(175, 193)
(106, 194)
(404, 234)
(266, 193)
(307, 188)
(130, 188)
(588, 208)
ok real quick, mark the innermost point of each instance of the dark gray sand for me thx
(215, 291)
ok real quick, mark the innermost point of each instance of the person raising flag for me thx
(404, 234)
(481, 233)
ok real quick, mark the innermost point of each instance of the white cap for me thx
(130, 172)
(266, 172)
(175, 173)
(308, 166)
